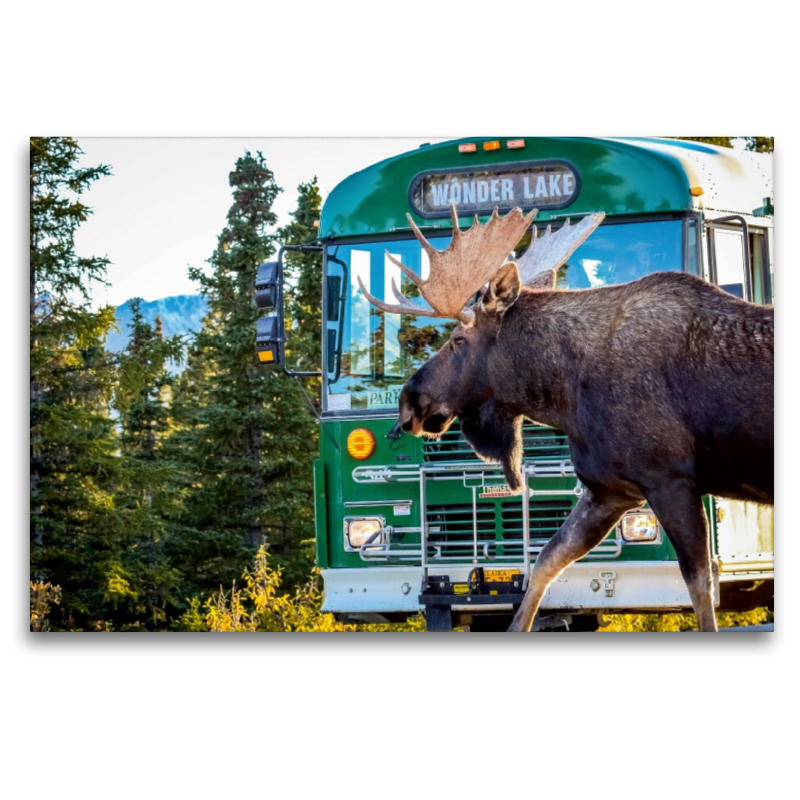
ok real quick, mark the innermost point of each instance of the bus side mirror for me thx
(268, 340)
(268, 285)
(270, 331)
(334, 297)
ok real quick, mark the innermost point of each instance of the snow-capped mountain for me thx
(179, 315)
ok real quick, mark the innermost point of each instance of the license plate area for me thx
(500, 575)
(481, 583)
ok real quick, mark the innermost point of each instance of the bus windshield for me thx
(380, 351)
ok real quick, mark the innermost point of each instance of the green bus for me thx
(407, 525)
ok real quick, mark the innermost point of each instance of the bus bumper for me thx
(588, 586)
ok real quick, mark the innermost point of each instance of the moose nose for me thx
(406, 418)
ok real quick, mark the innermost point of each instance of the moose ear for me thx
(503, 291)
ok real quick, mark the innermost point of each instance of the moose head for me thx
(467, 377)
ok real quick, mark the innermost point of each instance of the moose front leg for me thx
(583, 529)
(679, 509)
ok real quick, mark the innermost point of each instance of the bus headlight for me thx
(639, 526)
(358, 529)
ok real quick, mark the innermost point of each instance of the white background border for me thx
(168, 716)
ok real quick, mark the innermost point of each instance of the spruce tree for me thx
(761, 144)
(244, 433)
(73, 466)
(148, 499)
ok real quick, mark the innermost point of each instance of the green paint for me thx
(619, 176)
(321, 513)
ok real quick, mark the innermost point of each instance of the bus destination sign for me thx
(534, 184)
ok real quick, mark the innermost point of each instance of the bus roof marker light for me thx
(696, 191)
(515, 144)
(495, 145)
(467, 148)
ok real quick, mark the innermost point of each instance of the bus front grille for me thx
(539, 444)
(492, 530)
(453, 529)
(546, 517)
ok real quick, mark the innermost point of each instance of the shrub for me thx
(42, 596)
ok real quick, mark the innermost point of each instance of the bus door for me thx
(729, 256)
(739, 262)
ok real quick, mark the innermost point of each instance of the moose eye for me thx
(458, 341)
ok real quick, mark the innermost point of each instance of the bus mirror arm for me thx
(281, 361)
(342, 300)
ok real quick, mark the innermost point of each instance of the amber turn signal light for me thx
(361, 443)
(491, 145)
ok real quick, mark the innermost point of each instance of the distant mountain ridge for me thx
(180, 315)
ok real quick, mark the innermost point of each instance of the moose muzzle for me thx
(420, 414)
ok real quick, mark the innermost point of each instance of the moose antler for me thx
(550, 250)
(473, 257)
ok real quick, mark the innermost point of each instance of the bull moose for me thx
(663, 387)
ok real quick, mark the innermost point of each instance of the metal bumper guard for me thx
(426, 578)
(635, 586)
(431, 553)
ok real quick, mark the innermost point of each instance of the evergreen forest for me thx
(165, 500)
(154, 494)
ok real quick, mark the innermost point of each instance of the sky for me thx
(165, 203)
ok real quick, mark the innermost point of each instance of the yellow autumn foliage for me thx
(260, 606)
(652, 623)
(43, 595)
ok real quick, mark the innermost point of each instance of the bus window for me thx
(623, 253)
(762, 291)
(728, 261)
(380, 350)
(692, 248)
